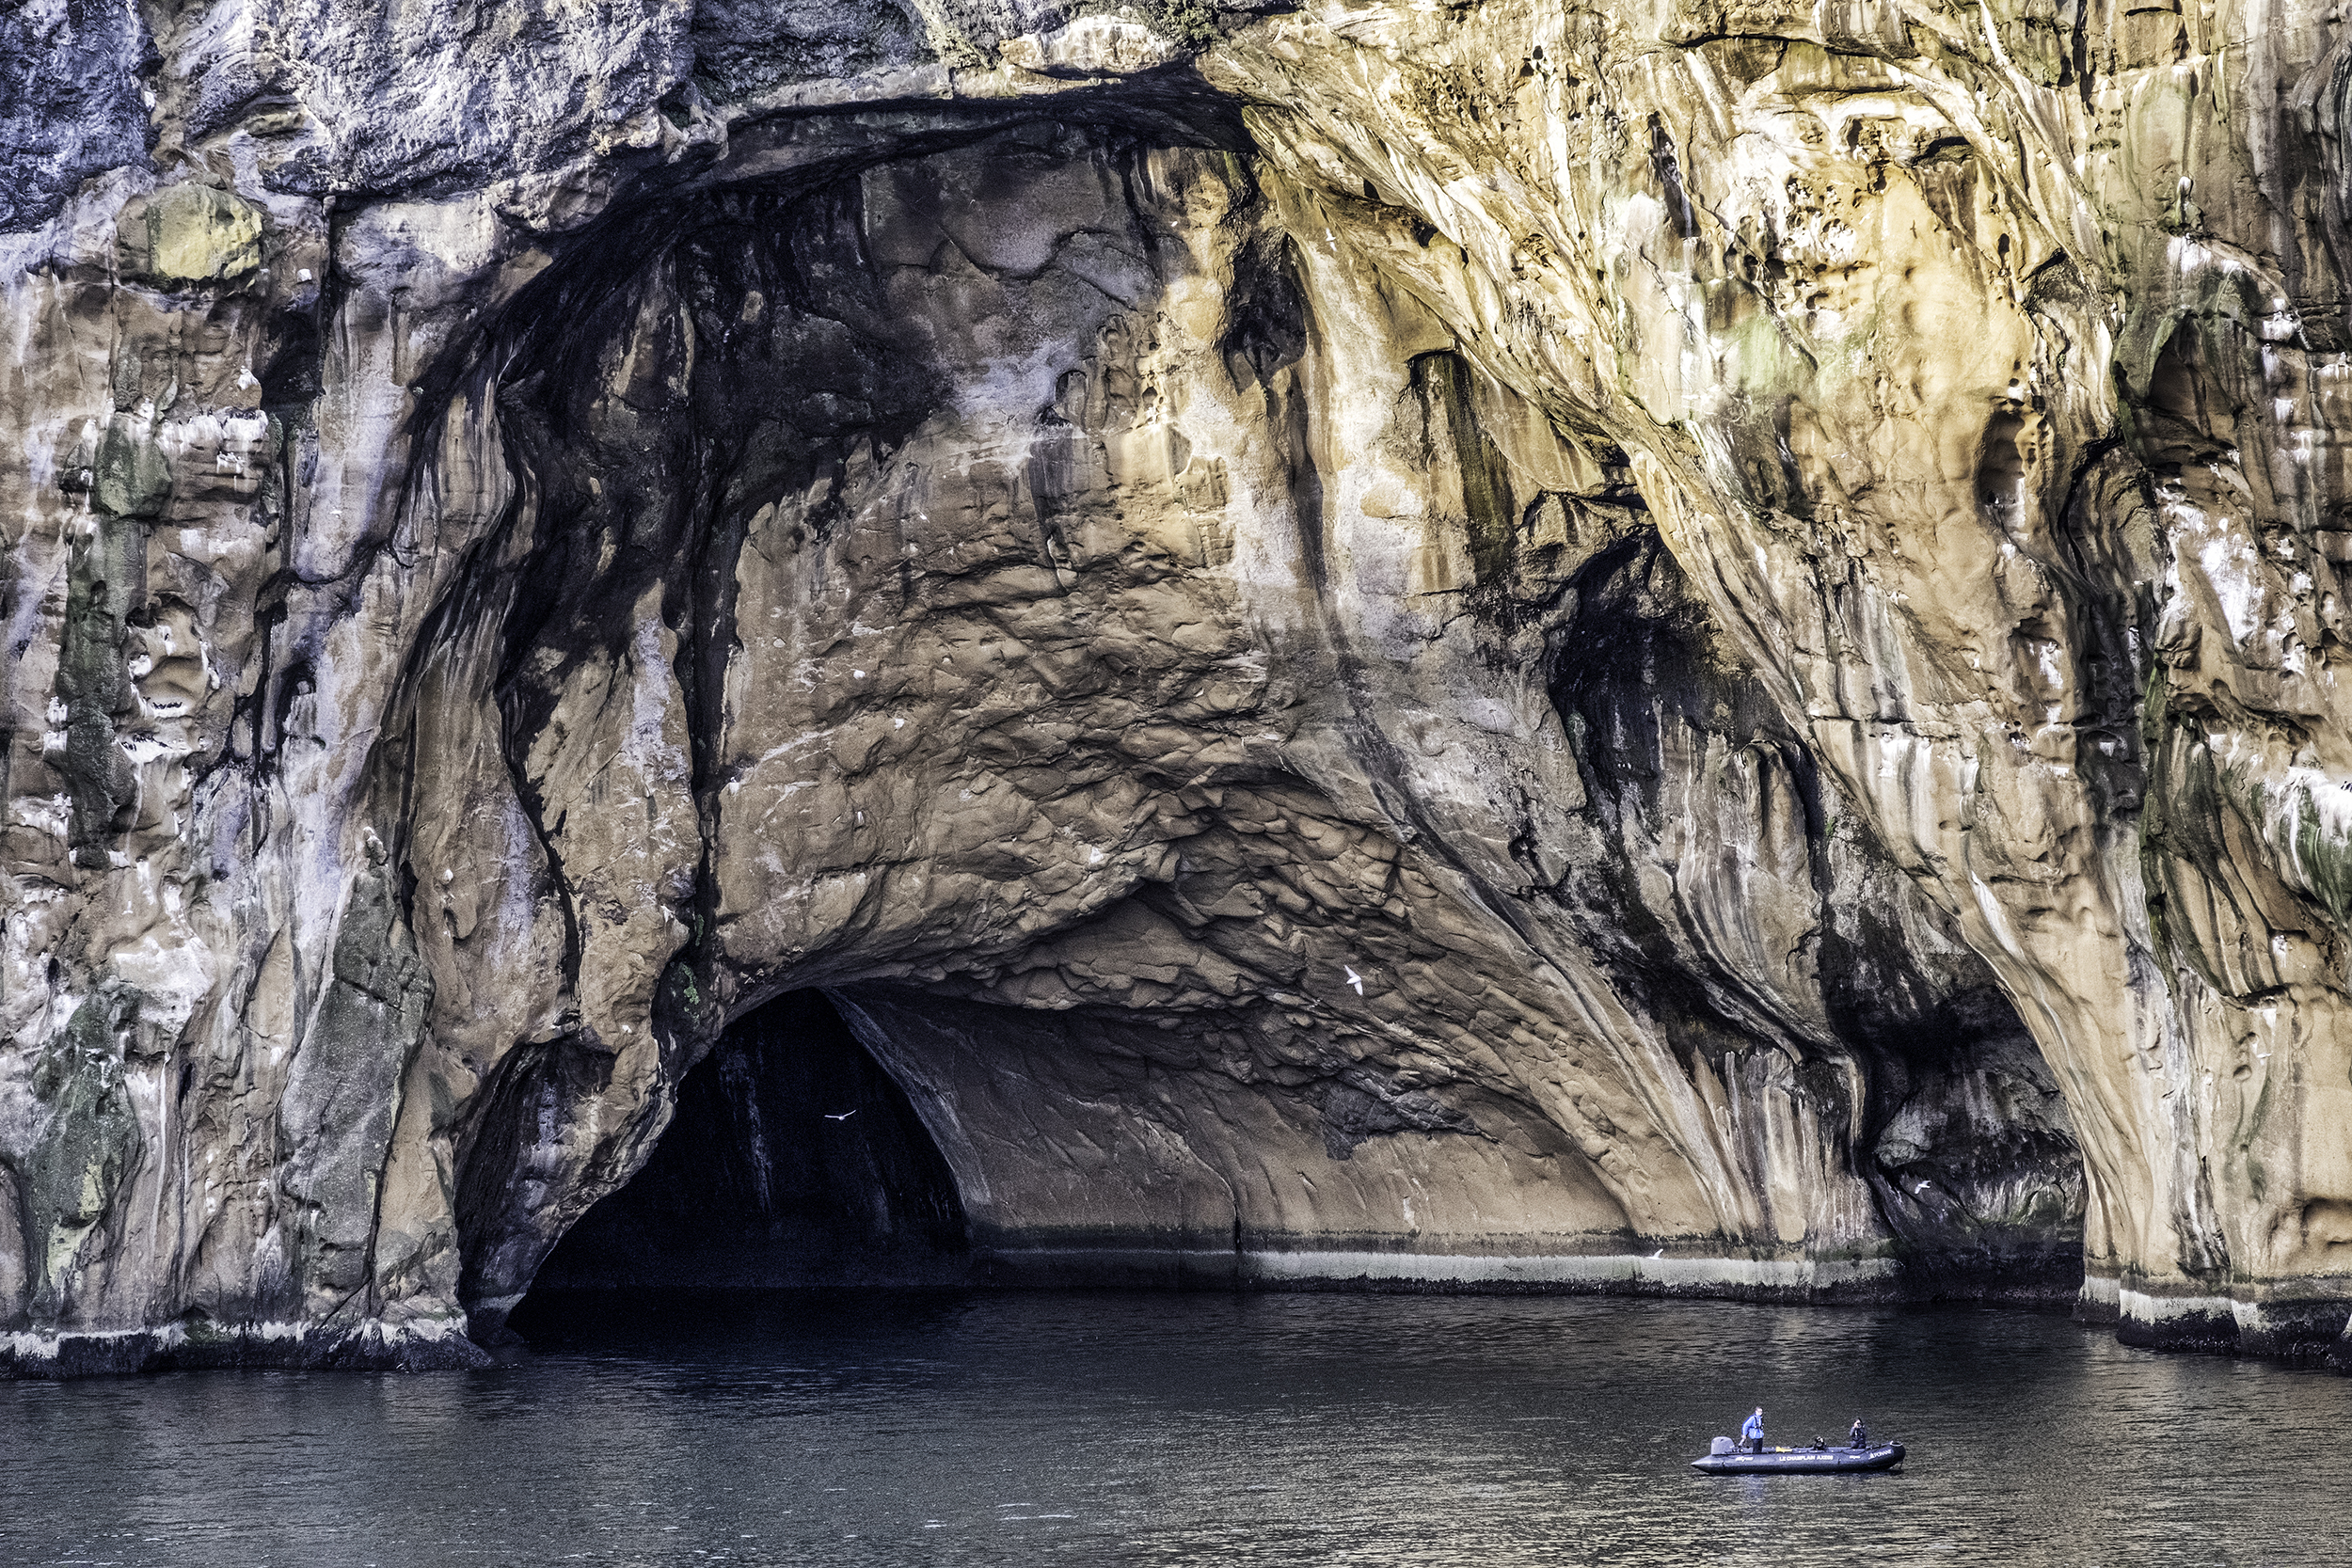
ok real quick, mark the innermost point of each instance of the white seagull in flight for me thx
(842, 1116)
(1354, 979)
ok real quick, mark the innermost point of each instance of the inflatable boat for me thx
(1725, 1458)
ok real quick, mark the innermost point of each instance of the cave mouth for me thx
(793, 1159)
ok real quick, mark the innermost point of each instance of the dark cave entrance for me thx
(794, 1160)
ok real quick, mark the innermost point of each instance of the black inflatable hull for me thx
(1785, 1462)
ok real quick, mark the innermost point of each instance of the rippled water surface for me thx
(854, 1429)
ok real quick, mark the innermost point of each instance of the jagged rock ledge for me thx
(368, 1347)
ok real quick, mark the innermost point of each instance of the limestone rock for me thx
(190, 235)
(1666, 648)
(1091, 46)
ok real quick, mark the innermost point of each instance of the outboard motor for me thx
(1721, 1445)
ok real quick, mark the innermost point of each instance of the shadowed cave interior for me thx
(793, 1159)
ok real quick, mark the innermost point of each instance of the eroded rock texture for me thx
(1677, 647)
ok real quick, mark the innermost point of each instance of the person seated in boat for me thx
(1752, 1432)
(1860, 1436)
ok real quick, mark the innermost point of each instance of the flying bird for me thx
(839, 1115)
(1354, 979)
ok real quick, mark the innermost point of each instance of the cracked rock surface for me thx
(1680, 647)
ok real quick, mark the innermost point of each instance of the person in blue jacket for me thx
(1859, 1437)
(1751, 1433)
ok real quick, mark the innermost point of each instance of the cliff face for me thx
(1684, 647)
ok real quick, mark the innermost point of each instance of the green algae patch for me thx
(2322, 852)
(131, 476)
(89, 1141)
(106, 579)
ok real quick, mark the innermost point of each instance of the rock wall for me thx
(1678, 647)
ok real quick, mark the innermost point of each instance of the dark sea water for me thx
(856, 1429)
